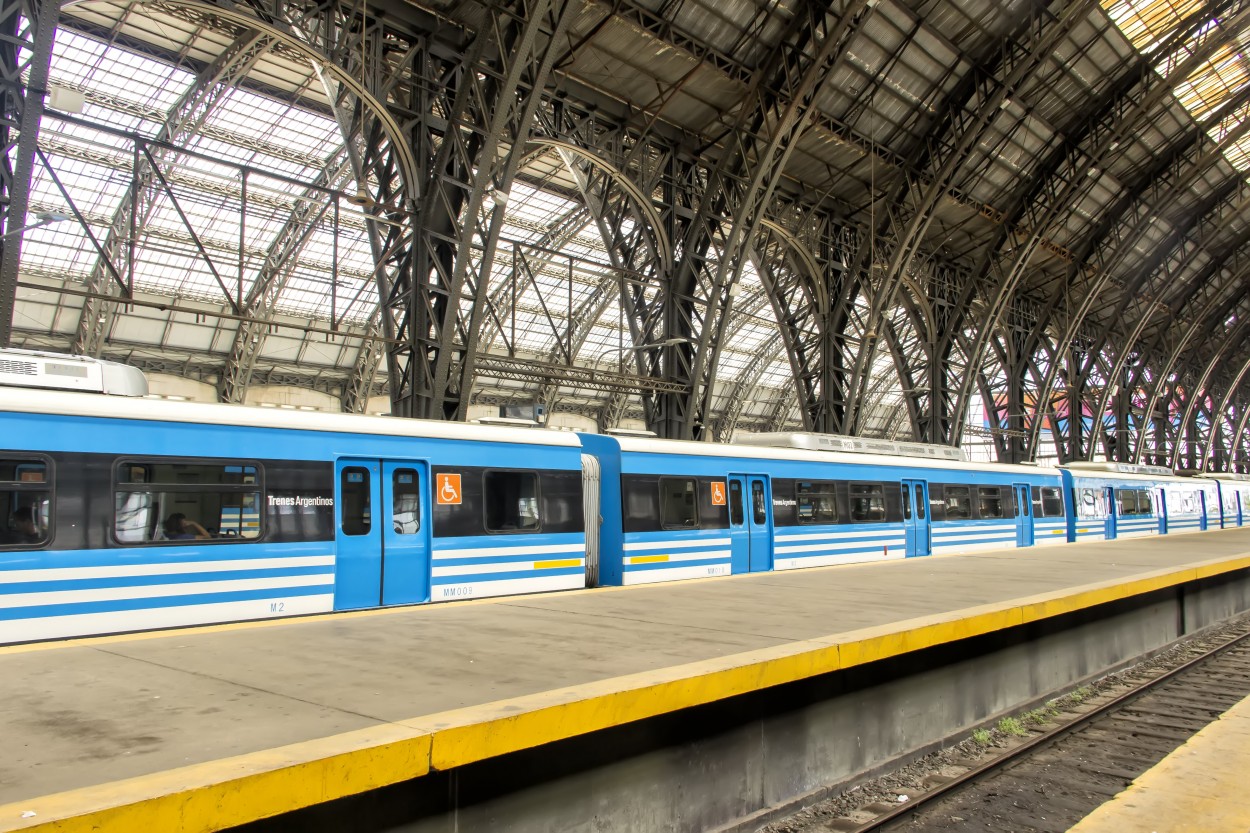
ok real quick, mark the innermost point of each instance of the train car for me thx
(1234, 498)
(1123, 500)
(674, 510)
(122, 513)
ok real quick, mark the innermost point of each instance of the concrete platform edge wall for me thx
(734, 765)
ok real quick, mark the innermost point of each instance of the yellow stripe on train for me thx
(555, 565)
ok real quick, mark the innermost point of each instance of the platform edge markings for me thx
(232, 791)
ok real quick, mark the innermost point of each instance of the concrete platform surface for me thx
(1199, 788)
(238, 722)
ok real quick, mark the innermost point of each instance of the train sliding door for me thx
(1024, 514)
(382, 537)
(916, 521)
(750, 523)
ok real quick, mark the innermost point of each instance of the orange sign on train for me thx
(718, 493)
(447, 488)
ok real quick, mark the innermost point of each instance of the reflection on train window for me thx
(990, 501)
(921, 503)
(735, 503)
(1089, 504)
(759, 503)
(511, 500)
(405, 501)
(25, 503)
(867, 502)
(678, 507)
(958, 503)
(158, 501)
(817, 501)
(355, 493)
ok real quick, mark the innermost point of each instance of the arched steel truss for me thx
(1123, 336)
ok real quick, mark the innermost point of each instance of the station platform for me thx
(1199, 788)
(212, 727)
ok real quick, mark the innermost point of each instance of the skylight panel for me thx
(1149, 24)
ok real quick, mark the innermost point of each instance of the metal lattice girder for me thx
(965, 120)
(27, 31)
(1232, 336)
(480, 105)
(277, 267)
(771, 116)
(1127, 222)
(1050, 189)
(1127, 117)
(800, 291)
(1232, 266)
(184, 120)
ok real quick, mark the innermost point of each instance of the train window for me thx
(735, 503)
(1051, 503)
(867, 502)
(25, 503)
(1134, 502)
(817, 501)
(759, 503)
(906, 501)
(958, 503)
(164, 500)
(921, 506)
(989, 501)
(1089, 504)
(406, 501)
(678, 507)
(511, 500)
(356, 496)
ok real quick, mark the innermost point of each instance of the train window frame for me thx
(47, 485)
(537, 499)
(117, 487)
(660, 486)
(828, 489)
(990, 493)
(874, 488)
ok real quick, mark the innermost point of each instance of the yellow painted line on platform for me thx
(553, 565)
(233, 791)
(647, 559)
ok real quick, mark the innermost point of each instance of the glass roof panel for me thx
(1149, 24)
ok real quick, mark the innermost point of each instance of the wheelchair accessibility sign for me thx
(718, 493)
(447, 488)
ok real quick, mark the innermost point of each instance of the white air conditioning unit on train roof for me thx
(58, 371)
(1117, 468)
(853, 445)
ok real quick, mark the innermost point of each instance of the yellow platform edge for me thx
(233, 791)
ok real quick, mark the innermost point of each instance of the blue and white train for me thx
(119, 513)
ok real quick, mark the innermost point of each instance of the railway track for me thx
(1048, 769)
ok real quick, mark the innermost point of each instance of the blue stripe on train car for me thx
(494, 565)
(663, 556)
(806, 546)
